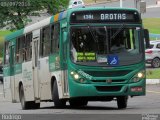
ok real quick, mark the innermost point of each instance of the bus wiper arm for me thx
(93, 36)
(118, 31)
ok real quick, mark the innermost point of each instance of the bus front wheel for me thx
(55, 96)
(122, 102)
(27, 104)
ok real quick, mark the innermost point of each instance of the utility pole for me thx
(136, 2)
(140, 5)
(121, 4)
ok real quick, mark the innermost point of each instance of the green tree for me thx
(16, 12)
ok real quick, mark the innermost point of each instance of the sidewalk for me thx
(152, 81)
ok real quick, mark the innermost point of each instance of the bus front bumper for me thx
(95, 90)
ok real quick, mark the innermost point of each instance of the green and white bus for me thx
(79, 55)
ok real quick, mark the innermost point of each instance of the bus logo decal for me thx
(109, 81)
(85, 74)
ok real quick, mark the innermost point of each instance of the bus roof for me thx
(56, 18)
(102, 8)
(37, 25)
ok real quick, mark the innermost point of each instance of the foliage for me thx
(153, 73)
(14, 13)
(153, 24)
(2, 34)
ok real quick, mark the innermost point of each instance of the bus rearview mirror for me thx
(146, 38)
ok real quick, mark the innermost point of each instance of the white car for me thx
(153, 54)
(76, 4)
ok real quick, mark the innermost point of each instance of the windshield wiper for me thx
(93, 36)
(118, 31)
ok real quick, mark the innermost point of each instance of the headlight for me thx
(77, 77)
(72, 73)
(140, 75)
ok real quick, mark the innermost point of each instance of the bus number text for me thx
(88, 17)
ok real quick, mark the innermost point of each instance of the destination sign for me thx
(105, 16)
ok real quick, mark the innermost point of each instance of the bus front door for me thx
(64, 59)
(35, 55)
(12, 78)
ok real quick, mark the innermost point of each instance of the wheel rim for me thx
(156, 62)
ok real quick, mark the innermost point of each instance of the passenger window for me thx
(28, 47)
(20, 49)
(55, 32)
(45, 42)
(6, 58)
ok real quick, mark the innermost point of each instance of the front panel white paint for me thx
(44, 78)
(7, 89)
(60, 82)
(27, 80)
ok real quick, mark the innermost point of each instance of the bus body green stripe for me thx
(52, 19)
(6, 71)
(18, 68)
(54, 64)
(14, 34)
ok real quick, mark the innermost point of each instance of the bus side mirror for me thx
(146, 38)
(64, 37)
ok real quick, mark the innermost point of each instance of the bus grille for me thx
(108, 73)
(108, 88)
(105, 81)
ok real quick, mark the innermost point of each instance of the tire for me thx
(27, 104)
(77, 102)
(155, 63)
(122, 102)
(58, 103)
(1, 80)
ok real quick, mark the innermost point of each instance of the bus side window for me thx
(52, 38)
(19, 49)
(55, 37)
(45, 42)
(6, 58)
(28, 47)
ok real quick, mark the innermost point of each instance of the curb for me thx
(152, 81)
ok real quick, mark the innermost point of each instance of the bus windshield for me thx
(93, 46)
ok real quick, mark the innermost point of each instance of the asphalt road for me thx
(148, 104)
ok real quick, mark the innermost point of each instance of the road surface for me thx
(136, 105)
